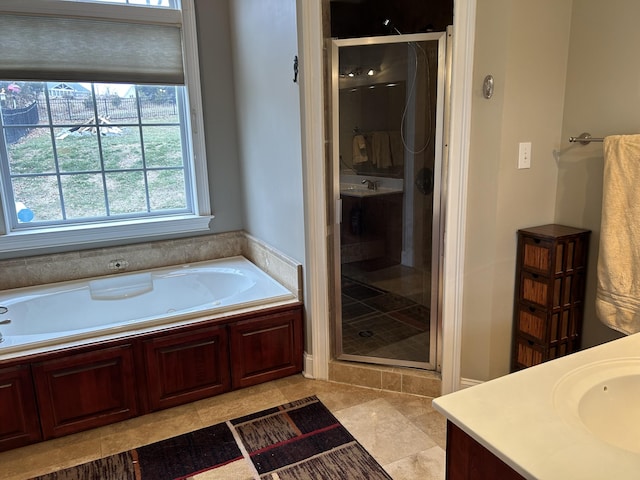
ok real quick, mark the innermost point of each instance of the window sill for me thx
(87, 234)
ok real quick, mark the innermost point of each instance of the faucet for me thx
(371, 185)
(6, 321)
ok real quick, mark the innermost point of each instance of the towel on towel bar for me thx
(618, 289)
(359, 149)
(397, 148)
(381, 149)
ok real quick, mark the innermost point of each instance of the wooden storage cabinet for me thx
(266, 348)
(185, 367)
(86, 390)
(549, 298)
(19, 423)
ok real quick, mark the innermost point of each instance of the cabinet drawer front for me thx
(185, 367)
(537, 254)
(528, 353)
(560, 325)
(85, 390)
(535, 289)
(532, 322)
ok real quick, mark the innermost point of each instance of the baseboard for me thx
(308, 371)
(469, 382)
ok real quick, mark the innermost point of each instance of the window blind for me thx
(49, 47)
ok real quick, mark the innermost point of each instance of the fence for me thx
(19, 116)
(76, 111)
(116, 109)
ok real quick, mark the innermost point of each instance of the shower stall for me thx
(389, 97)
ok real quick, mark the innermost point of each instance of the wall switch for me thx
(524, 155)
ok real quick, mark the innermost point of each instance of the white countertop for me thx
(514, 417)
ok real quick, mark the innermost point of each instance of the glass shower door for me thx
(388, 113)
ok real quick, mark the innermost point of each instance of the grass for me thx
(84, 191)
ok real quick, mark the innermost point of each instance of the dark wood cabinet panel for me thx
(58, 393)
(466, 459)
(85, 390)
(266, 348)
(19, 424)
(185, 367)
(549, 298)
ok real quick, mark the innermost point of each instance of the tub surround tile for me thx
(43, 269)
(281, 267)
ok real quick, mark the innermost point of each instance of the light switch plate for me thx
(524, 155)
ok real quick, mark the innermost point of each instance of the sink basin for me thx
(603, 398)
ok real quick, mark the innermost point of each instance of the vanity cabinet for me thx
(265, 348)
(188, 366)
(19, 423)
(85, 390)
(466, 459)
(549, 296)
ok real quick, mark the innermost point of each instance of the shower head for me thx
(390, 26)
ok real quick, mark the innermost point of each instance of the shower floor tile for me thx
(377, 323)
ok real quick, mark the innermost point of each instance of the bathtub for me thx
(70, 313)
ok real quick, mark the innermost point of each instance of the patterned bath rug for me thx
(297, 440)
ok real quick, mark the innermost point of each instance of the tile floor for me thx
(403, 432)
(381, 323)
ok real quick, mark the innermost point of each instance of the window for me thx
(101, 123)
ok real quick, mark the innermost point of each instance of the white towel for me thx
(359, 149)
(618, 290)
(381, 150)
(397, 148)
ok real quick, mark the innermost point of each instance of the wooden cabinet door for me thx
(19, 423)
(185, 367)
(266, 348)
(467, 459)
(85, 390)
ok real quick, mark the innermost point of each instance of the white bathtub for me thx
(75, 311)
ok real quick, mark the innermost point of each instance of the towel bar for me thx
(585, 139)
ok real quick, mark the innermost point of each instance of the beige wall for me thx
(602, 98)
(524, 45)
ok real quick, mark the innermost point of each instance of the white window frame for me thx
(78, 234)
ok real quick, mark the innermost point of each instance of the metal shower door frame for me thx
(444, 40)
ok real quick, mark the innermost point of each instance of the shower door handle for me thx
(338, 213)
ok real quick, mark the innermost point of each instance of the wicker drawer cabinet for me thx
(549, 296)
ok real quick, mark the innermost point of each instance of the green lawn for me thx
(84, 192)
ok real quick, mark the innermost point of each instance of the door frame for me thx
(317, 306)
